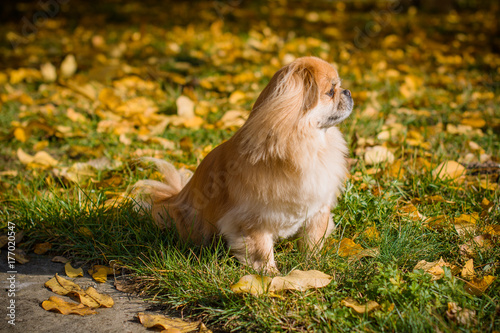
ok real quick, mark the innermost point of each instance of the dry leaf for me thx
(41, 159)
(378, 154)
(300, 280)
(164, 323)
(185, 107)
(479, 285)
(468, 270)
(48, 72)
(435, 268)
(103, 300)
(466, 224)
(412, 212)
(57, 304)
(461, 316)
(72, 272)
(42, 248)
(372, 233)
(20, 256)
(359, 308)
(253, 284)
(449, 170)
(60, 259)
(68, 66)
(372, 253)
(348, 248)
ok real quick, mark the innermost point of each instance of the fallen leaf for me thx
(300, 280)
(42, 248)
(372, 253)
(412, 212)
(185, 107)
(468, 270)
(466, 224)
(57, 304)
(479, 285)
(103, 300)
(72, 272)
(68, 66)
(435, 268)
(40, 160)
(20, 256)
(378, 154)
(48, 72)
(360, 308)
(60, 259)
(62, 286)
(371, 233)
(449, 170)
(253, 284)
(165, 323)
(461, 316)
(348, 247)
(100, 274)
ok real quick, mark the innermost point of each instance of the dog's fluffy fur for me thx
(277, 177)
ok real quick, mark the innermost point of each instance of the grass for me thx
(196, 281)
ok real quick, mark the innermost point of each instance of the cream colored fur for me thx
(277, 177)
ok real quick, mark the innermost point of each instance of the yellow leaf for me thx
(72, 272)
(104, 300)
(435, 268)
(48, 72)
(233, 119)
(474, 122)
(461, 316)
(42, 248)
(468, 270)
(372, 233)
(449, 170)
(378, 154)
(109, 99)
(40, 160)
(359, 308)
(348, 248)
(75, 116)
(300, 280)
(185, 107)
(57, 304)
(253, 284)
(479, 285)
(396, 170)
(237, 97)
(101, 275)
(20, 134)
(412, 212)
(164, 323)
(62, 286)
(466, 224)
(372, 252)
(193, 123)
(68, 66)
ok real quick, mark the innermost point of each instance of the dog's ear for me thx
(309, 87)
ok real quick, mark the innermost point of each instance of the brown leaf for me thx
(60, 259)
(103, 300)
(253, 284)
(20, 256)
(461, 316)
(42, 248)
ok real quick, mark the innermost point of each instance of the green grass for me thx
(195, 281)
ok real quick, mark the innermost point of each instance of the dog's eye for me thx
(331, 92)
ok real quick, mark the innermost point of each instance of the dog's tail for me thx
(152, 195)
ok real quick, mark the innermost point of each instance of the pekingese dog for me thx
(277, 177)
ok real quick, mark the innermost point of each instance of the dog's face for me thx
(306, 90)
(328, 104)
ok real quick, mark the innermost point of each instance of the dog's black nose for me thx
(347, 92)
